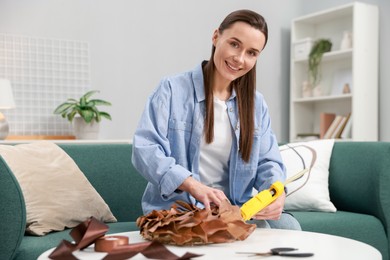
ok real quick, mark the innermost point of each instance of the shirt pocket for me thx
(179, 125)
(179, 132)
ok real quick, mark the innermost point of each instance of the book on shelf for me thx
(341, 126)
(326, 120)
(337, 127)
(347, 131)
(331, 130)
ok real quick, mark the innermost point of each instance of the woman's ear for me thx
(215, 37)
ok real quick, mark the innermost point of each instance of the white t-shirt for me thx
(214, 157)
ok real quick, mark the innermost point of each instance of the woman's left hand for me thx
(273, 211)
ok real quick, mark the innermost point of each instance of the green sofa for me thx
(359, 188)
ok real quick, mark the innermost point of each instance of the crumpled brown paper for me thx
(186, 224)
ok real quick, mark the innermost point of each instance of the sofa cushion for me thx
(310, 192)
(56, 192)
(32, 246)
(361, 227)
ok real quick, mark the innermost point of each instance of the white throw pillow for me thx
(311, 191)
(56, 192)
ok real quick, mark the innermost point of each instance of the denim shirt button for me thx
(231, 109)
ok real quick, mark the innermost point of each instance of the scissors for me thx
(280, 251)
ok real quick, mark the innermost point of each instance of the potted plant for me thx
(315, 56)
(84, 114)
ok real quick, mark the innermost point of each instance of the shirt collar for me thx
(197, 77)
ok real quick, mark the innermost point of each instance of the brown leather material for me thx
(92, 231)
(186, 224)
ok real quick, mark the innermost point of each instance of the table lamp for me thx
(6, 102)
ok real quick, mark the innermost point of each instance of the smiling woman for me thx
(205, 135)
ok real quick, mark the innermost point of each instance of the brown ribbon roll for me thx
(118, 247)
(109, 243)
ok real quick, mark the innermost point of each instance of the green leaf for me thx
(99, 102)
(83, 101)
(63, 107)
(89, 94)
(72, 115)
(96, 113)
(105, 115)
(88, 115)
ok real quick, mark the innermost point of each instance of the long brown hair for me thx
(244, 86)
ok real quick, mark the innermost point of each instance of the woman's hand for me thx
(273, 210)
(203, 193)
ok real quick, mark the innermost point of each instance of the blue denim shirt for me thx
(167, 141)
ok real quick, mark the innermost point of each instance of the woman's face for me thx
(236, 51)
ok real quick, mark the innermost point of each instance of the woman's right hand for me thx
(203, 193)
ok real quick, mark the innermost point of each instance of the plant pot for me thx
(317, 91)
(306, 89)
(85, 131)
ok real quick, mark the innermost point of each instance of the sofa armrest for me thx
(359, 179)
(12, 213)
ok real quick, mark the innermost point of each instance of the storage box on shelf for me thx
(302, 48)
(349, 72)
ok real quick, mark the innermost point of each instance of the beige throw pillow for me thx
(311, 191)
(56, 192)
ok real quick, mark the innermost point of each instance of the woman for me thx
(205, 135)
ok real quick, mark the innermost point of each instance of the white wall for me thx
(136, 43)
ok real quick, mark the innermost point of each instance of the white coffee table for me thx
(261, 240)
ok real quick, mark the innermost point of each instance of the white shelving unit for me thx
(361, 61)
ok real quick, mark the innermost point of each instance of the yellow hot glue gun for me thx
(266, 197)
(261, 200)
